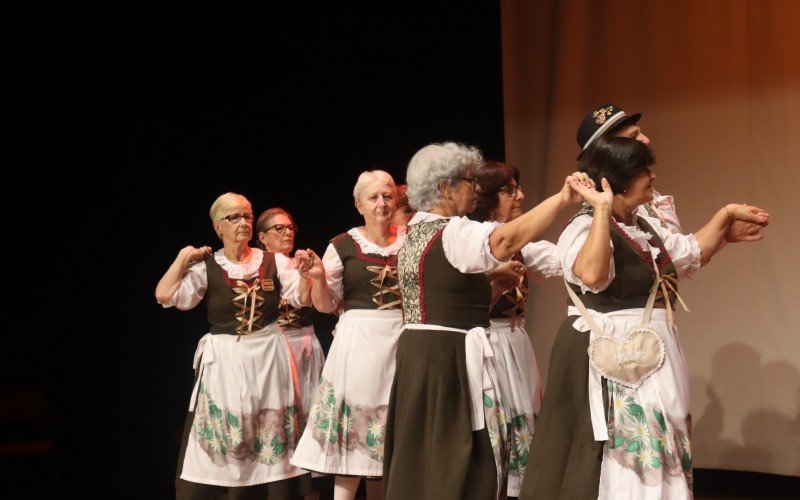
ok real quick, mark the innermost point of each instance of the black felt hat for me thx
(599, 121)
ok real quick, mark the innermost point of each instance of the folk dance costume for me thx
(243, 420)
(347, 420)
(518, 371)
(599, 433)
(447, 429)
(297, 325)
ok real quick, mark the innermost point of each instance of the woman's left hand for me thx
(568, 192)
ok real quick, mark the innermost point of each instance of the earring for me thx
(449, 196)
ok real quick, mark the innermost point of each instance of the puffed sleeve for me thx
(290, 279)
(334, 274)
(683, 249)
(666, 205)
(466, 245)
(192, 289)
(541, 260)
(569, 245)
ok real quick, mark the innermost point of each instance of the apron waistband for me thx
(478, 353)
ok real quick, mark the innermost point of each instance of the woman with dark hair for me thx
(404, 212)
(276, 231)
(447, 430)
(500, 200)
(241, 428)
(615, 418)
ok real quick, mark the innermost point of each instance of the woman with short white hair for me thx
(358, 274)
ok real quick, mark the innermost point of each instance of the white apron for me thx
(245, 422)
(520, 389)
(347, 420)
(309, 360)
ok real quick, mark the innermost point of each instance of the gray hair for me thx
(370, 176)
(436, 163)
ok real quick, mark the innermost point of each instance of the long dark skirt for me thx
(430, 448)
(565, 459)
(286, 489)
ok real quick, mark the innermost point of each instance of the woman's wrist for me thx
(602, 209)
(730, 211)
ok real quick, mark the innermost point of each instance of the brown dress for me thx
(565, 459)
(431, 449)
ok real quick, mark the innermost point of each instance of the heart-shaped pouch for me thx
(628, 361)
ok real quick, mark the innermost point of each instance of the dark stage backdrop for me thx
(147, 112)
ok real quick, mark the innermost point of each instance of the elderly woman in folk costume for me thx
(446, 432)
(500, 200)
(346, 424)
(618, 348)
(241, 429)
(276, 231)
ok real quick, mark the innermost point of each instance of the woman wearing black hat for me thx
(615, 418)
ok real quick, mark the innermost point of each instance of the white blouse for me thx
(541, 260)
(683, 249)
(195, 281)
(465, 242)
(334, 268)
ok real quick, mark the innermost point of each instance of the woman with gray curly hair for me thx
(446, 429)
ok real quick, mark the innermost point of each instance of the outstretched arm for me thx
(513, 235)
(727, 223)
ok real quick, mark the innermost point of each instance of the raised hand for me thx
(568, 194)
(594, 197)
(308, 264)
(316, 269)
(192, 254)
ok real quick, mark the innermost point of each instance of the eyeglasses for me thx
(471, 180)
(282, 228)
(235, 218)
(511, 189)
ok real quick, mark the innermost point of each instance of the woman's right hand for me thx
(191, 254)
